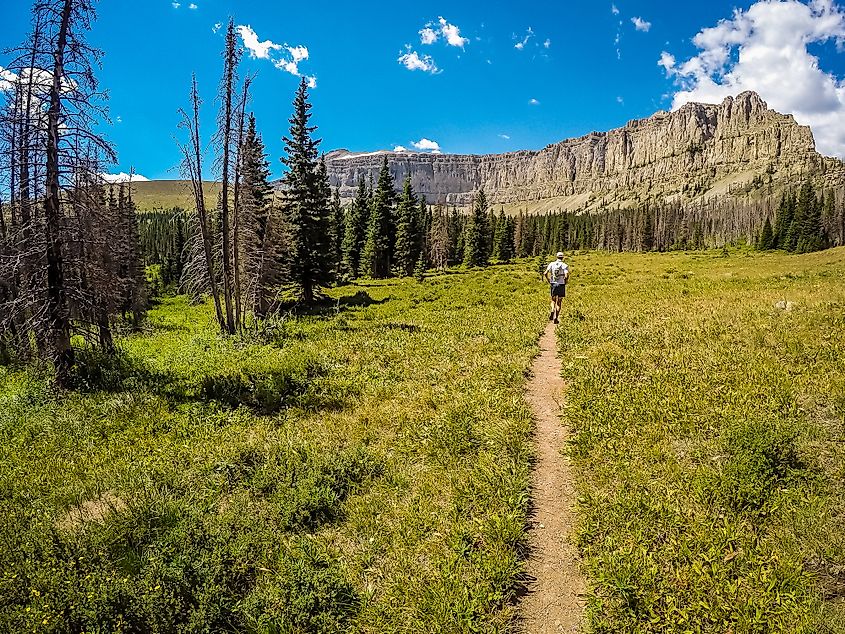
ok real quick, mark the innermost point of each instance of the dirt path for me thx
(553, 602)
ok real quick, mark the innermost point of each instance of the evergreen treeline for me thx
(804, 222)
(69, 252)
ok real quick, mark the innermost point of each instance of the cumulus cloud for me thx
(640, 24)
(400, 148)
(427, 145)
(411, 60)
(217, 27)
(614, 10)
(765, 49)
(451, 33)
(284, 57)
(506, 137)
(256, 48)
(533, 102)
(7, 79)
(428, 35)
(176, 5)
(193, 6)
(123, 177)
(547, 43)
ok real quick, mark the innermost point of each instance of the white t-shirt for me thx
(557, 270)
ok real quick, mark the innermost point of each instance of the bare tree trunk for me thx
(57, 313)
(236, 246)
(226, 140)
(195, 164)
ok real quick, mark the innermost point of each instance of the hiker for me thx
(557, 273)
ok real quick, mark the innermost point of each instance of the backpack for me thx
(558, 269)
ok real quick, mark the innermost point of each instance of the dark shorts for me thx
(558, 290)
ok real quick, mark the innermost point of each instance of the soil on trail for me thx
(554, 599)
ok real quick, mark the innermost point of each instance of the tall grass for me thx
(364, 471)
(709, 449)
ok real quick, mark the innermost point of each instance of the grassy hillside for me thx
(165, 194)
(708, 398)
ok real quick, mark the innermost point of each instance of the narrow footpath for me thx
(554, 602)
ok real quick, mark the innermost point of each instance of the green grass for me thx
(365, 471)
(709, 429)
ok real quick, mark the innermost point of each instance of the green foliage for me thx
(376, 257)
(306, 203)
(407, 251)
(355, 231)
(477, 234)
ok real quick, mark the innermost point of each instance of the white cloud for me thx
(533, 102)
(123, 177)
(400, 148)
(412, 61)
(620, 100)
(257, 49)
(217, 27)
(547, 43)
(765, 49)
(667, 61)
(451, 33)
(7, 78)
(427, 145)
(193, 6)
(528, 35)
(270, 50)
(119, 119)
(505, 137)
(614, 10)
(640, 24)
(176, 5)
(428, 35)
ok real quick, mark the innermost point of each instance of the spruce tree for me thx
(810, 229)
(376, 256)
(337, 225)
(476, 234)
(764, 242)
(355, 230)
(406, 252)
(305, 203)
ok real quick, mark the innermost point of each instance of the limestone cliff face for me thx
(699, 150)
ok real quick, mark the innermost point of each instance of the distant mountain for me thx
(697, 152)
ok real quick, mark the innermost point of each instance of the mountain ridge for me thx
(693, 153)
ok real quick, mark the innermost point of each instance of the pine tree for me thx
(355, 231)
(337, 225)
(406, 252)
(476, 234)
(306, 203)
(764, 242)
(810, 236)
(261, 258)
(376, 257)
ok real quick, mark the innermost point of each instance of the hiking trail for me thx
(554, 601)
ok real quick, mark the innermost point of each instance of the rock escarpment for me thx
(698, 151)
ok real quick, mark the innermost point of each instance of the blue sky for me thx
(586, 65)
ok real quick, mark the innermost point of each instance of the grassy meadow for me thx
(360, 470)
(365, 469)
(707, 396)
(167, 194)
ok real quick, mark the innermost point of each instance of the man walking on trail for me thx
(557, 273)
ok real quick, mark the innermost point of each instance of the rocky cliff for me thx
(698, 151)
